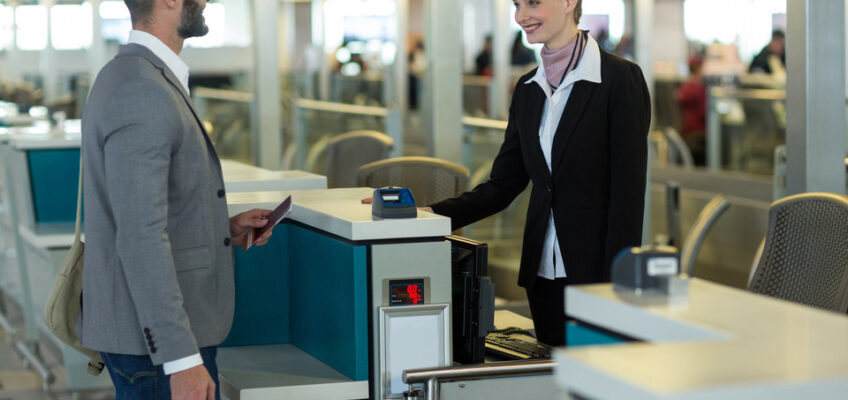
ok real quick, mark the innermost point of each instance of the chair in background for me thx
(343, 154)
(430, 179)
(706, 219)
(804, 257)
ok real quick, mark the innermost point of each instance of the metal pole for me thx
(13, 69)
(266, 129)
(396, 83)
(815, 103)
(49, 66)
(501, 70)
(97, 50)
(444, 79)
(644, 34)
(318, 40)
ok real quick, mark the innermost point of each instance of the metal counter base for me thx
(282, 371)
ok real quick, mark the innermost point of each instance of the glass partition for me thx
(744, 127)
(226, 114)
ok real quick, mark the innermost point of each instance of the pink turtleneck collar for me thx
(555, 62)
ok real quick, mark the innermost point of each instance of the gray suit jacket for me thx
(158, 275)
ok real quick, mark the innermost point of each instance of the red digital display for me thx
(407, 292)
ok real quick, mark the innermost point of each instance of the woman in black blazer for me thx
(582, 141)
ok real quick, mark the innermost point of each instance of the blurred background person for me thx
(521, 54)
(483, 61)
(692, 98)
(772, 58)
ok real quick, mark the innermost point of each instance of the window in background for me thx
(358, 21)
(71, 26)
(7, 25)
(746, 23)
(216, 20)
(115, 20)
(598, 15)
(31, 22)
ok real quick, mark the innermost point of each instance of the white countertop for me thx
(723, 343)
(49, 235)
(240, 177)
(340, 212)
(40, 136)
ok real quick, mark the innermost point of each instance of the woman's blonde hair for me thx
(578, 11)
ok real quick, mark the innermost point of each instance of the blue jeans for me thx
(136, 378)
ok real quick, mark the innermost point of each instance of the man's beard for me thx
(192, 23)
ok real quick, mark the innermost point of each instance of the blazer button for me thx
(149, 336)
(226, 241)
(151, 343)
(153, 350)
(147, 330)
(220, 193)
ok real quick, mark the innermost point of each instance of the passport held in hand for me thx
(274, 218)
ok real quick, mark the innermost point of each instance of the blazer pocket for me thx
(193, 258)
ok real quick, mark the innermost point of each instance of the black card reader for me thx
(393, 202)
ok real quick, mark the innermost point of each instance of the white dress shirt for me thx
(180, 69)
(161, 50)
(552, 264)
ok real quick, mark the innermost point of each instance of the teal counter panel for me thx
(329, 301)
(262, 312)
(54, 179)
(307, 289)
(581, 335)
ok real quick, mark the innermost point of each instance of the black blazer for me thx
(597, 185)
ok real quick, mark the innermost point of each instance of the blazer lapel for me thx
(577, 101)
(175, 82)
(533, 110)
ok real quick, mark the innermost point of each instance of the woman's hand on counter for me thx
(247, 221)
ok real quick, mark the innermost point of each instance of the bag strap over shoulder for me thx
(79, 202)
(95, 364)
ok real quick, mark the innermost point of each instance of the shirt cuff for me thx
(172, 367)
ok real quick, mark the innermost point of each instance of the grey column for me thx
(644, 36)
(643, 27)
(318, 42)
(96, 53)
(396, 81)
(444, 78)
(13, 69)
(815, 101)
(501, 71)
(48, 65)
(265, 110)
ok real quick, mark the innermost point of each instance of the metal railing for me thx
(230, 113)
(300, 131)
(432, 377)
(720, 102)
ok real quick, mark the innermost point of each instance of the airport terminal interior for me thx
(740, 290)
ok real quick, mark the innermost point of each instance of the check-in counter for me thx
(10, 115)
(40, 181)
(720, 343)
(314, 307)
(240, 178)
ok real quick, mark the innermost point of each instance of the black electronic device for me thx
(473, 299)
(393, 202)
(516, 345)
(646, 269)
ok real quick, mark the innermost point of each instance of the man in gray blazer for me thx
(158, 283)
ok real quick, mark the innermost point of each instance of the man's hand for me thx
(192, 384)
(247, 221)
